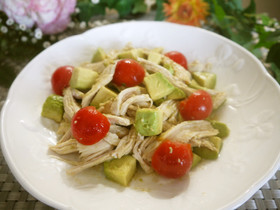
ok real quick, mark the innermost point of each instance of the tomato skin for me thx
(197, 106)
(129, 73)
(89, 126)
(178, 58)
(172, 159)
(60, 78)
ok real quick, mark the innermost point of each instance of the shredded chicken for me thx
(67, 135)
(65, 147)
(80, 166)
(77, 94)
(104, 78)
(121, 131)
(143, 151)
(135, 100)
(70, 105)
(63, 128)
(218, 99)
(88, 152)
(191, 132)
(124, 121)
(123, 96)
(179, 71)
(167, 107)
(126, 144)
(97, 67)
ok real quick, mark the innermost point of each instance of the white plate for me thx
(249, 158)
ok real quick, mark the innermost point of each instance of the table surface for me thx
(14, 196)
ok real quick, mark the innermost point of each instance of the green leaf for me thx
(159, 11)
(276, 72)
(124, 7)
(219, 11)
(7, 75)
(85, 10)
(251, 8)
(265, 19)
(109, 3)
(139, 7)
(273, 55)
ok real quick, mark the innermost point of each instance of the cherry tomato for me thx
(89, 126)
(60, 78)
(129, 73)
(178, 58)
(172, 159)
(198, 106)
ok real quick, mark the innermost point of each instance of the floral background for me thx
(36, 24)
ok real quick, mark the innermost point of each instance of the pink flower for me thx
(51, 16)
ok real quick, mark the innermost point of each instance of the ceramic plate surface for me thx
(249, 158)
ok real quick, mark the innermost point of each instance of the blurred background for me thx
(272, 7)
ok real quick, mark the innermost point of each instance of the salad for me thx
(136, 106)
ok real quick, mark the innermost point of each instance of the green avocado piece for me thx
(158, 50)
(99, 55)
(196, 160)
(169, 68)
(120, 170)
(154, 57)
(158, 86)
(177, 94)
(53, 108)
(82, 78)
(195, 85)
(103, 95)
(205, 79)
(207, 153)
(159, 101)
(131, 54)
(221, 127)
(148, 122)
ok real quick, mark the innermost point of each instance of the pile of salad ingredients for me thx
(136, 105)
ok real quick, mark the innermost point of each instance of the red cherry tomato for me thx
(129, 73)
(172, 159)
(178, 58)
(89, 126)
(60, 78)
(197, 106)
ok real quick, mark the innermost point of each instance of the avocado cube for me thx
(158, 50)
(177, 94)
(159, 101)
(102, 96)
(169, 68)
(207, 153)
(53, 108)
(120, 170)
(196, 160)
(148, 122)
(221, 127)
(99, 55)
(158, 86)
(131, 54)
(154, 57)
(195, 85)
(205, 79)
(82, 78)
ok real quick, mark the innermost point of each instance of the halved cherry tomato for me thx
(60, 78)
(172, 159)
(198, 106)
(178, 58)
(129, 73)
(89, 126)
